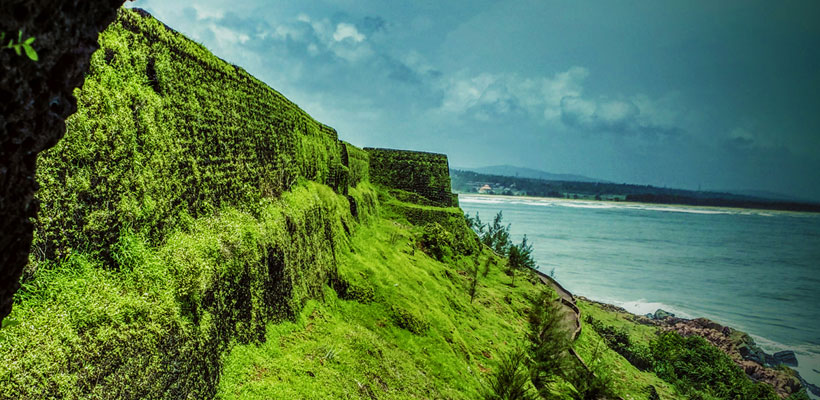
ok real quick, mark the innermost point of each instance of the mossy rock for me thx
(409, 320)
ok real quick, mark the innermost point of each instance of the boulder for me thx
(661, 314)
(786, 357)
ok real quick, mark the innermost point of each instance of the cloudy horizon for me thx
(679, 94)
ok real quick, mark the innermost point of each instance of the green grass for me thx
(158, 325)
(638, 333)
(626, 380)
(372, 354)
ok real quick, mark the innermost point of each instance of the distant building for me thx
(485, 189)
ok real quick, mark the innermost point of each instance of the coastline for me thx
(626, 204)
(615, 264)
(742, 347)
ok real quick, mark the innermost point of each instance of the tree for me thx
(498, 235)
(519, 257)
(549, 340)
(510, 382)
(475, 224)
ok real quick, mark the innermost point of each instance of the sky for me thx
(689, 94)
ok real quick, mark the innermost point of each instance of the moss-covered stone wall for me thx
(165, 131)
(357, 162)
(187, 206)
(425, 174)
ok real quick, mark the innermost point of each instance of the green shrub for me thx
(436, 241)
(698, 368)
(511, 379)
(618, 340)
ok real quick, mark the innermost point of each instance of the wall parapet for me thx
(422, 173)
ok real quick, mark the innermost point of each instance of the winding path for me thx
(572, 315)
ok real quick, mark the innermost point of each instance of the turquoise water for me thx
(757, 271)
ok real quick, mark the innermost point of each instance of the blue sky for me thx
(721, 95)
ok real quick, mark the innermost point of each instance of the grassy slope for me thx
(158, 326)
(349, 348)
(159, 250)
(627, 380)
(355, 349)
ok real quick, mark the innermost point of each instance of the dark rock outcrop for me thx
(786, 357)
(35, 99)
(661, 314)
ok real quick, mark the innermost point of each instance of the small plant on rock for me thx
(20, 46)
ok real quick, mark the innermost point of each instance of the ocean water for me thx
(757, 271)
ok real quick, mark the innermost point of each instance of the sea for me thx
(754, 270)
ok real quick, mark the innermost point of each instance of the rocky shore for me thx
(739, 346)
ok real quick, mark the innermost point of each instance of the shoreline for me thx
(718, 209)
(741, 346)
(799, 342)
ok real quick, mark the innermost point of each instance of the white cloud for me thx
(559, 98)
(347, 31)
(205, 12)
(228, 36)
(540, 96)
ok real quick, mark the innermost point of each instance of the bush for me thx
(697, 368)
(618, 340)
(511, 380)
(436, 241)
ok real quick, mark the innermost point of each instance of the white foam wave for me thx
(589, 204)
(643, 307)
(772, 346)
(684, 210)
(808, 356)
(481, 200)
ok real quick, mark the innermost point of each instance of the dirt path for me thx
(572, 315)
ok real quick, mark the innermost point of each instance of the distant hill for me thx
(521, 172)
(764, 194)
(474, 182)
